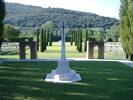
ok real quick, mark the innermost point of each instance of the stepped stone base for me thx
(63, 74)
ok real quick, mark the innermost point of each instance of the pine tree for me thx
(126, 27)
(2, 16)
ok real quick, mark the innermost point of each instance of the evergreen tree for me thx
(45, 40)
(79, 40)
(86, 39)
(75, 37)
(2, 16)
(10, 33)
(38, 39)
(50, 39)
(42, 39)
(72, 36)
(47, 36)
(126, 27)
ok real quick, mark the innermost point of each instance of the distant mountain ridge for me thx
(25, 16)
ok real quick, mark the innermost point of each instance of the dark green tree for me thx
(45, 43)
(50, 39)
(126, 27)
(79, 39)
(69, 35)
(48, 26)
(42, 40)
(2, 16)
(85, 40)
(47, 36)
(76, 37)
(11, 32)
(38, 35)
(72, 33)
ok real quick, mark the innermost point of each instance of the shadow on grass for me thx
(100, 81)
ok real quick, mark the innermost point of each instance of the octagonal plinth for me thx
(63, 74)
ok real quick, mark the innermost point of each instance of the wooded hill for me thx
(25, 17)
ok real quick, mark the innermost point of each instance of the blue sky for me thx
(108, 8)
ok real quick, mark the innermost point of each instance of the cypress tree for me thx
(126, 27)
(2, 16)
(38, 39)
(75, 37)
(45, 40)
(47, 36)
(72, 37)
(80, 41)
(42, 39)
(50, 39)
(86, 39)
(77, 40)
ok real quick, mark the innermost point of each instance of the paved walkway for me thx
(127, 62)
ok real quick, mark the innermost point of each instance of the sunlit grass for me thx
(71, 52)
(100, 81)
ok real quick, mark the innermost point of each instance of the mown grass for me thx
(100, 81)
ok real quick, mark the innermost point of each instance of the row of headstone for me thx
(114, 48)
(10, 46)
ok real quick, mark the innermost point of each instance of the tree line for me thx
(46, 34)
(26, 17)
(125, 29)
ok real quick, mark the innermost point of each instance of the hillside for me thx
(25, 16)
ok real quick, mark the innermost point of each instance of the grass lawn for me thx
(71, 52)
(100, 81)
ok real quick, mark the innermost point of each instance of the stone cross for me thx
(63, 73)
(63, 51)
